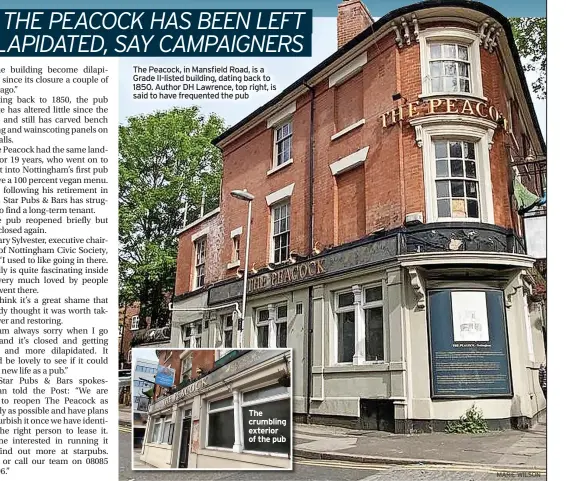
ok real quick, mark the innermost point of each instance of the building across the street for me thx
(388, 250)
(143, 375)
(211, 419)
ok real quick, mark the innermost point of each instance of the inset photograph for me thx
(219, 409)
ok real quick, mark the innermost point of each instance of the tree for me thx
(530, 37)
(166, 163)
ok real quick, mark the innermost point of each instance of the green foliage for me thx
(166, 161)
(471, 422)
(530, 37)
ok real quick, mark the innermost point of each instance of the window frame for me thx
(455, 35)
(209, 411)
(265, 323)
(276, 128)
(465, 128)
(227, 328)
(375, 305)
(342, 310)
(200, 241)
(274, 207)
(189, 340)
(135, 323)
(281, 321)
(449, 178)
(242, 404)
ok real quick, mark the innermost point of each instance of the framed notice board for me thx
(468, 341)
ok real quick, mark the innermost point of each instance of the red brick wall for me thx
(389, 185)
(202, 359)
(125, 321)
(187, 255)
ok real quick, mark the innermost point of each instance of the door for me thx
(185, 439)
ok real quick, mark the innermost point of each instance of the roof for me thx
(368, 32)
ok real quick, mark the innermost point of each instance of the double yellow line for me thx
(421, 467)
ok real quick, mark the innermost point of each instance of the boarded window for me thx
(349, 102)
(351, 205)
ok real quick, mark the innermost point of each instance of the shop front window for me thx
(274, 403)
(221, 423)
(360, 310)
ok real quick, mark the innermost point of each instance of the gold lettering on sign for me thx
(412, 111)
(284, 276)
(479, 107)
(444, 105)
(467, 108)
(433, 104)
(450, 103)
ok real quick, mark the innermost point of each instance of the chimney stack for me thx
(353, 18)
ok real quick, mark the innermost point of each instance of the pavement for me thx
(498, 449)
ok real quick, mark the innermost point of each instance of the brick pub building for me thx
(386, 247)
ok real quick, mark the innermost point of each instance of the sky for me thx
(284, 71)
(143, 353)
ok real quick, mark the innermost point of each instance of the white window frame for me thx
(372, 305)
(340, 310)
(273, 209)
(209, 411)
(157, 429)
(134, 323)
(359, 308)
(201, 241)
(226, 328)
(449, 179)
(244, 404)
(457, 127)
(259, 323)
(194, 335)
(166, 423)
(276, 129)
(452, 35)
(282, 322)
(187, 364)
(235, 235)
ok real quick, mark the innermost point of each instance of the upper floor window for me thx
(235, 248)
(450, 62)
(449, 67)
(457, 170)
(187, 365)
(349, 102)
(134, 323)
(281, 232)
(456, 184)
(200, 264)
(283, 142)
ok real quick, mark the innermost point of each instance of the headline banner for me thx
(156, 33)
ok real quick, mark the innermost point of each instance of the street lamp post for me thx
(245, 196)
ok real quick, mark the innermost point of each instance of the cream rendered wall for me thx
(421, 404)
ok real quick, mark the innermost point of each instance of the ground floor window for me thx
(167, 432)
(360, 324)
(263, 328)
(156, 431)
(272, 319)
(268, 410)
(221, 423)
(192, 334)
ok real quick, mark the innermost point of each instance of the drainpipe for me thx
(309, 390)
